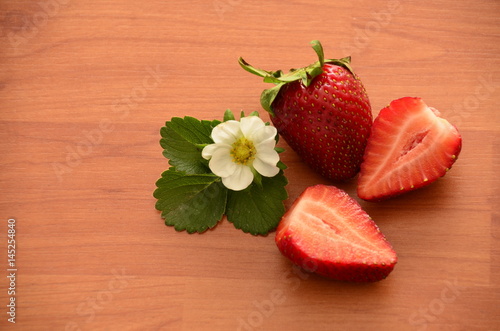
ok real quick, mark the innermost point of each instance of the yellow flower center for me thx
(243, 151)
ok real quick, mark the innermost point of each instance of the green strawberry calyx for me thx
(305, 74)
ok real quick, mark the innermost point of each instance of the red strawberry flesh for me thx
(410, 146)
(327, 232)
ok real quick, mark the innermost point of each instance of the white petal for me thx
(266, 145)
(266, 133)
(209, 150)
(265, 163)
(250, 124)
(221, 163)
(268, 155)
(226, 132)
(240, 179)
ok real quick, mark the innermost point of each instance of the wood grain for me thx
(85, 87)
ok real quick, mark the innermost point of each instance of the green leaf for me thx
(275, 79)
(343, 62)
(181, 153)
(267, 97)
(259, 72)
(281, 165)
(305, 78)
(279, 149)
(192, 129)
(259, 208)
(182, 142)
(228, 116)
(193, 203)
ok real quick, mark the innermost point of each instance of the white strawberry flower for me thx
(240, 149)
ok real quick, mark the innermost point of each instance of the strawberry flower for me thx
(241, 151)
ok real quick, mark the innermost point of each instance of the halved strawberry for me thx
(410, 146)
(326, 231)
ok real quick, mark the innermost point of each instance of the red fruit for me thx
(323, 113)
(326, 231)
(410, 146)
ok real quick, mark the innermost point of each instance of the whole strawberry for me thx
(322, 111)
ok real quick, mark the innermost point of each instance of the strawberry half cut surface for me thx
(326, 232)
(410, 147)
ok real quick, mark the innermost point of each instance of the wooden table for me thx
(85, 87)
